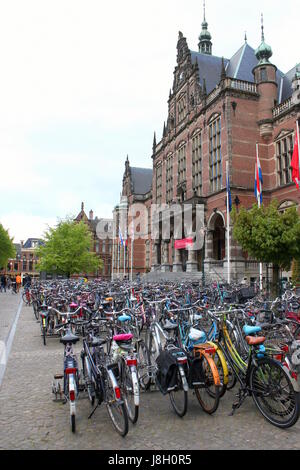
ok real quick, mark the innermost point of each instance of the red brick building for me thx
(102, 239)
(25, 260)
(218, 110)
(137, 192)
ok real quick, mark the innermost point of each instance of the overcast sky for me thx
(84, 83)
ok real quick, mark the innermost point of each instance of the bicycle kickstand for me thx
(98, 404)
(241, 398)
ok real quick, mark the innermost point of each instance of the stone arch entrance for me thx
(216, 227)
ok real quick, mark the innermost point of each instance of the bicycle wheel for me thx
(88, 380)
(24, 298)
(179, 397)
(35, 310)
(208, 393)
(44, 335)
(73, 423)
(153, 348)
(129, 385)
(144, 366)
(273, 393)
(223, 374)
(231, 378)
(116, 410)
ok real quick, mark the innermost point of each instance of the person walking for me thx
(19, 282)
(3, 283)
(27, 281)
(9, 282)
(13, 285)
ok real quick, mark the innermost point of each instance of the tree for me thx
(7, 249)
(67, 250)
(269, 236)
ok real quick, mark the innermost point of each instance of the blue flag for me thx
(228, 192)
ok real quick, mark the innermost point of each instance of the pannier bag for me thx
(166, 376)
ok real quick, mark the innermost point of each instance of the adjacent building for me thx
(101, 230)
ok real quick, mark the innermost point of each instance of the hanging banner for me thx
(182, 244)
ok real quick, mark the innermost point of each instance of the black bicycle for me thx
(100, 376)
(266, 380)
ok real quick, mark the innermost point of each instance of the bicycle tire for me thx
(44, 336)
(273, 393)
(35, 310)
(179, 397)
(208, 394)
(90, 388)
(116, 411)
(144, 365)
(128, 394)
(73, 423)
(153, 348)
(25, 300)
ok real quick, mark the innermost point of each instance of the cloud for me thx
(83, 84)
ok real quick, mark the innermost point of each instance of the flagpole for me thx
(228, 226)
(258, 202)
(118, 263)
(131, 263)
(124, 260)
(113, 253)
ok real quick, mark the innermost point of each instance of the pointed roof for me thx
(240, 67)
(141, 179)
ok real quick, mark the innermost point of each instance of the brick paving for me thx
(29, 419)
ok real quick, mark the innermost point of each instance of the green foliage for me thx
(7, 249)
(268, 235)
(67, 250)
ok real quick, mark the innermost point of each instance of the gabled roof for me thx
(141, 179)
(30, 241)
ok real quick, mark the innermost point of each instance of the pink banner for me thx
(184, 243)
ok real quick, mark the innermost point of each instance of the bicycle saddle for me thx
(124, 318)
(69, 338)
(254, 341)
(123, 337)
(250, 330)
(169, 326)
(195, 334)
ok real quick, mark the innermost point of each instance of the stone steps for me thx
(157, 276)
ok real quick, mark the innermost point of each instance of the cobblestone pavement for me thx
(8, 308)
(29, 419)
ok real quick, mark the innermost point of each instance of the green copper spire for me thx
(205, 44)
(264, 52)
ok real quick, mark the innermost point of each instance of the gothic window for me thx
(181, 109)
(169, 179)
(181, 164)
(215, 157)
(284, 151)
(197, 163)
(158, 184)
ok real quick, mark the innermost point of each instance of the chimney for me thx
(22, 243)
(91, 215)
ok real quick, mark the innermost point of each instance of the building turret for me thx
(265, 78)
(205, 44)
